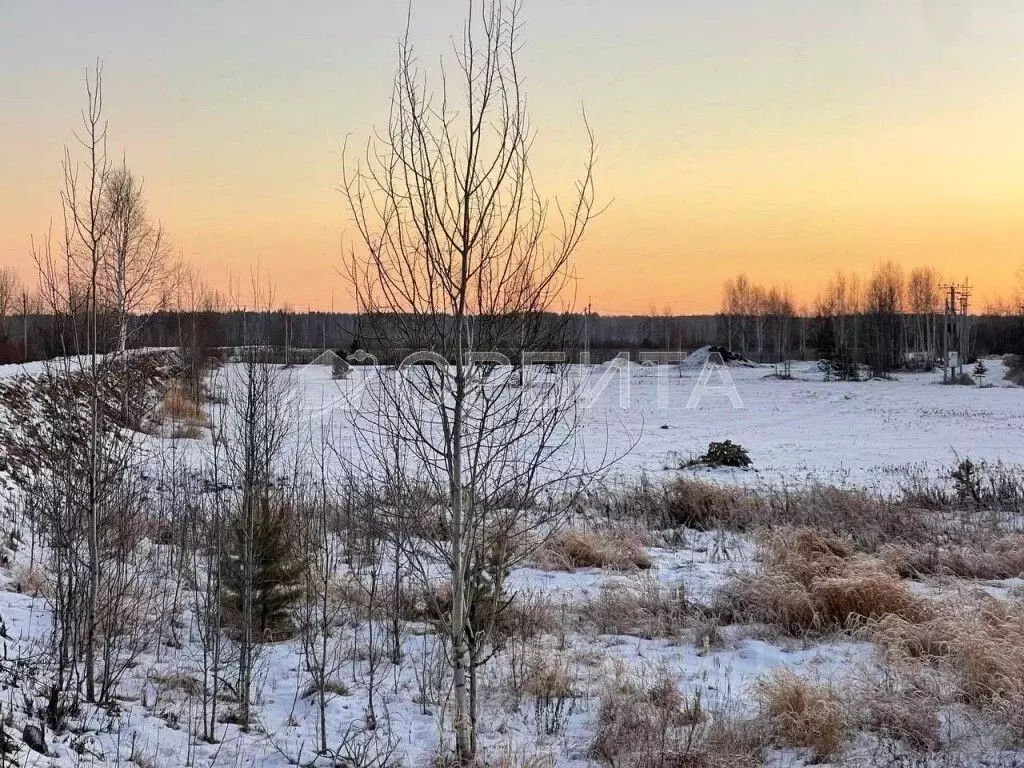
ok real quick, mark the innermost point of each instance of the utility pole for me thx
(955, 330)
(586, 336)
(965, 296)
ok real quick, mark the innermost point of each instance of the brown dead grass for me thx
(868, 521)
(647, 726)
(608, 549)
(703, 506)
(655, 725)
(810, 581)
(178, 681)
(1000, 558)
(510, 755)
(648, 609)
(900, 707)
(187, 432)
(550, 676)
(179, 406)
(801, 714)
(32, 581)
(976, 643)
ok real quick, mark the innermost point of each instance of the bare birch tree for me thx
(137, 265)
(8, 296)
(70, 282)
(456, 256)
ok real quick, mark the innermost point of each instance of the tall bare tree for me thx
(457, 256)
(923, 303)
(137, 266)
(70, 283)
(8, 296)
(885, 302)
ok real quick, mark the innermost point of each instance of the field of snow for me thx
(866, 434)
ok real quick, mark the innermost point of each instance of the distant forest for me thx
(902, 339)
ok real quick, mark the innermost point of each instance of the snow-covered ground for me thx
(866, 434)
(804, 430)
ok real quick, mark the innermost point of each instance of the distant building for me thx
(340, 368)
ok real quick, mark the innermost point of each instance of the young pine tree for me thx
(262, 572)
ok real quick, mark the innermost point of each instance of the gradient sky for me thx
(783, 138)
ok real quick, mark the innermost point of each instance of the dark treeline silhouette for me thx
(885, 340)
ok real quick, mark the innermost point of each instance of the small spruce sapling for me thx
(980, 371)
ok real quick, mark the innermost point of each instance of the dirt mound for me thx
(700, 357)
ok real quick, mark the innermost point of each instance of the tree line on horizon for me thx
(761, 325)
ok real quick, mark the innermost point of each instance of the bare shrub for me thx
(531, 614)
(613, 550)
(802, 714)
(1014, 369)
(809, 581)
(653, 726)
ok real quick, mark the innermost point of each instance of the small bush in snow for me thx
(724, 454)
(980, 371)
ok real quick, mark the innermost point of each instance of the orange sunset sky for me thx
(783, 138)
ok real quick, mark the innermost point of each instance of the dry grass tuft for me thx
(898, 707)
(801, 714)
(187, 432)
(868, 521)
(810, 581)
(612, 550)
(550, 676)
(976, 644)
(1002, 558)
(647, 610)
(180, 406)
(703, 506)
(31, 581)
